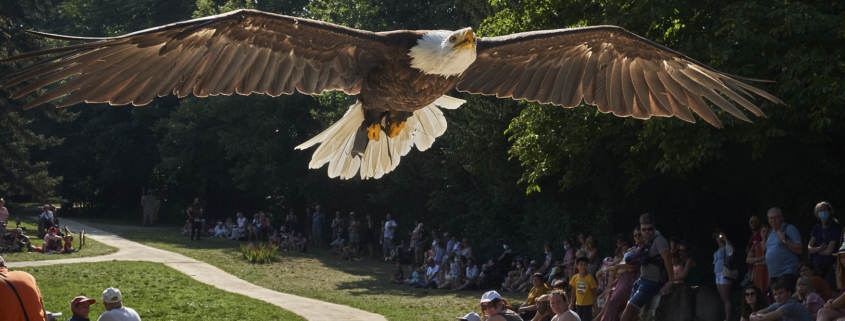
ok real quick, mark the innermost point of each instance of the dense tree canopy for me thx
(503, 170)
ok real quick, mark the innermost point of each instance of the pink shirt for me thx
(814, 303)
(4, 214)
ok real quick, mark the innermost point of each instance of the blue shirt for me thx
(779, 258)
(795, 311)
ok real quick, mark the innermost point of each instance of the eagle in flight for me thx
(401, 77)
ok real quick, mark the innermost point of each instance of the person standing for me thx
(195, 213)
(80, 307)
(309, 221)
(756, 237)
(651, 281)
(317, 227)
(21, 296)
(149, 205)
(354, 235)
(757, 259)
(720, 260)
(583, 290)
(389, 229)
(369, 238)
(115, 311)
(782, 249)
(290, 222)
(824, 239)
(4, 217)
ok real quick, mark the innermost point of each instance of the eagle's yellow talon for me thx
(373, 131)
(395, 129)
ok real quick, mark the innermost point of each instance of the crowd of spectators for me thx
(55, 241)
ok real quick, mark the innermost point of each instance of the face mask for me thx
(566, 246)
(824, 216)
(547, 252)
(518, 266)
(505, 246)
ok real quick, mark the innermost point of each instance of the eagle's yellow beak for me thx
(466, 40)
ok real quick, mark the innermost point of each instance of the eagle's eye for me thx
(453, 39)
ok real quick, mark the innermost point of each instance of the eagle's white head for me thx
(444, 53)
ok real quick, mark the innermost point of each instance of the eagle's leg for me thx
(395, 129)
(373, 131)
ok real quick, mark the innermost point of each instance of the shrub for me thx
(259, 254)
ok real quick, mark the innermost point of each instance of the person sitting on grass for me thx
(52, 242)
(528, 309)
(583, 290)
(68, 248)
(81, 307)
(449, 274)
(276, 240)
(431, 275)
(301, 243)
(528, 279)
(559, 302)
(470, 280)
(784, 308)
(16, 241)
(495, 308)
(398, 277)
(254, 230)
(414, 275)
(337, 244)
(186, 230)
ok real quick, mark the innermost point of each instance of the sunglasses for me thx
(749, 294)
(647, 229)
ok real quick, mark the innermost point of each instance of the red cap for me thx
(81, 298)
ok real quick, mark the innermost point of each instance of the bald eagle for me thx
(401, 77)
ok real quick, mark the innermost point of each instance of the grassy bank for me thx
(91, 248)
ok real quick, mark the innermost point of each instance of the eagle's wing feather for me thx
(243, 51)
(606, 66)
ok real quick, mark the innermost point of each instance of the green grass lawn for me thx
(91, 248)
(321, 276)
(154, 290)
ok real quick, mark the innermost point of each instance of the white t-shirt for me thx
(46, 214)
(455, 268)
(122, 314)
(471, 272)
(432, 271)
(388, 233)
(242, 222)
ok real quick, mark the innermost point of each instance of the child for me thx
(337, 245)
(584, 290)
(804, 293)
(414, 276)
(68, 245)
(676, 265)
(399, 276)
(301, 242)
(275, 239)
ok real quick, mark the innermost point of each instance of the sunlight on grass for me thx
(154, 290)
(321, 276)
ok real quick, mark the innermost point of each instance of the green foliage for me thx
(261, 253)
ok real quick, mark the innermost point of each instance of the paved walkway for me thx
(206, 273)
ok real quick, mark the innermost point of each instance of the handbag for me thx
(727, 272)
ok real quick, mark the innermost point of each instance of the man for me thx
(651, 281)
(24, 302)
(528, 309)
(389, 228)
(470, 280)
(782, 250)
(195, 214)
(432, 275)
(317, 227)
(15, 241)
(115, 311)
(81, 307)
(785, 308)
(149, 205)
(45, 220)
(52, 242)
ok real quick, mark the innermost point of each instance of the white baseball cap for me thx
(472, 316)
(112, 295)
(489, 296)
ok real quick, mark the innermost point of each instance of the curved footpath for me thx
(206, 273)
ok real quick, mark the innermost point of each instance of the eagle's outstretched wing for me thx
(609, 67)
(243, 51)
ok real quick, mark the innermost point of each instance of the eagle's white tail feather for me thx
(382, 156)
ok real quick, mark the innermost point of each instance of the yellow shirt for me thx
(583, 289)
(536, 293)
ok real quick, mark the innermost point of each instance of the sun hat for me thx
(112, 295)
(489, 296)
(472, 316)
(2, 263)
(81, 298)
(841, 250)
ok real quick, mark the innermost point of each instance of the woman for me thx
(466, 248)
(440, 247)
(593, 255)
(419, 247)
(835, 308)
(496, 308)
(720, 260)
(691, 272)
(240, 229)
(824, 239)
(627, 275)
(753, 300)
(569, 257)
(368, 235)
(559, 303)
(290, 222)
(337, 224)
(757, 258)
(609, 277)
(804, 293)
(353, 235)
